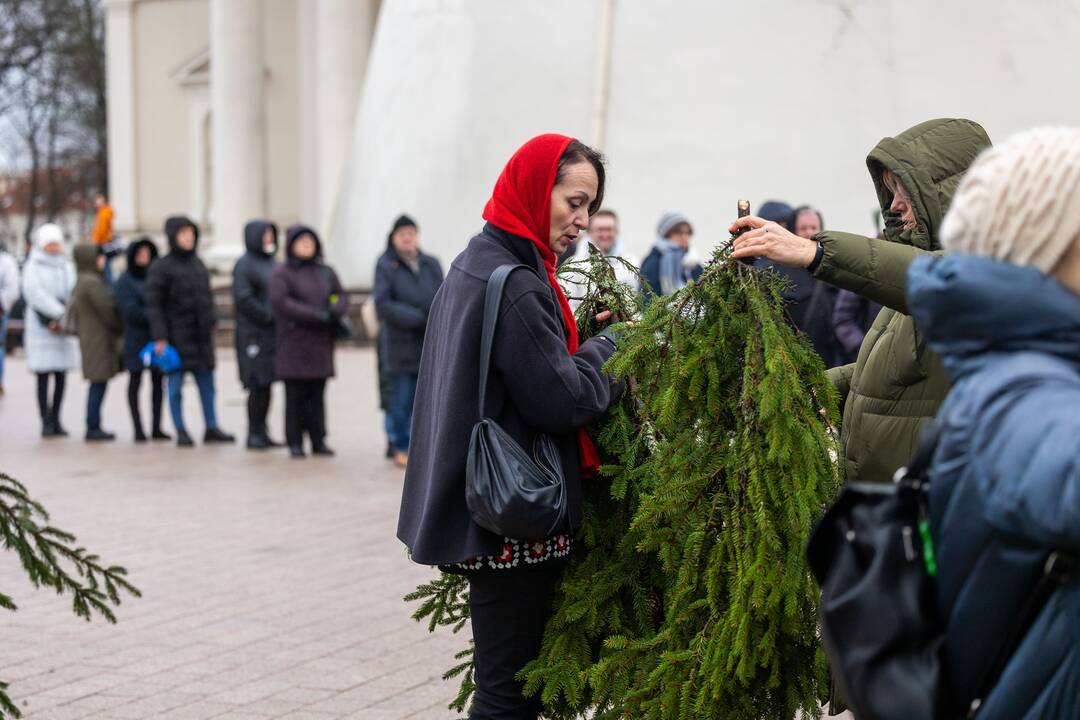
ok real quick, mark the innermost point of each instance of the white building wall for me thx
(167, 34)
(708, 102)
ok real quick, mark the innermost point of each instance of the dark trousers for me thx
(50, 412)
(157, 387)
(509, 610)
(399, 414)
(258, 407)
(305, 411)
(94, 398)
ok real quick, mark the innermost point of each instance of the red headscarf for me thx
(521, 205)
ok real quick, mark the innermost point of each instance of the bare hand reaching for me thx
(770, 240)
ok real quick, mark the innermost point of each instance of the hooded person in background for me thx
(308, 302)
(48, 279)
(180, 306)
(671, 264)
(95, 314)
(130, 293)
(255, 332)
(808, 302)
(406, 281)
(1003, 311)
(853, 315)
(9, 295)
(897, 383)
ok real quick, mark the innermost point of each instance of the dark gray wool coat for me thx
(255, 334)
(535, 386)
(403, 299)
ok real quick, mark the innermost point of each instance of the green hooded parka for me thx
(897, 383)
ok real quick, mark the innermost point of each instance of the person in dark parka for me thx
(255, 332)
(130, 293)
(308, 301)
(1003, 311)
(180, 306)
(541, 380)
(853, 316)
(808, 303)
(94, 313)
(406, 281)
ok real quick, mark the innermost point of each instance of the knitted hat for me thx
(1020, 201)
(669, 221)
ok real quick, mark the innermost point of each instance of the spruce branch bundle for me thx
(52, 560)
(687, 595)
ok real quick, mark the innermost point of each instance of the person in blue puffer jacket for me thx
(1004, 314)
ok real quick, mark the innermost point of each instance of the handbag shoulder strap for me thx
(492, 304)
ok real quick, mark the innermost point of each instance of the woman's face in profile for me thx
(570, 200)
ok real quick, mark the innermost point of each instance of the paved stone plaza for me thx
(271, 587)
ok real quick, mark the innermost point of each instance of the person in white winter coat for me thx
(604, 236)
(9, 295)
(48, 279)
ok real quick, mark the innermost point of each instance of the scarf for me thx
(521, 206)
(672, 274)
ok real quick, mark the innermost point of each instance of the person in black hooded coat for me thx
(255, 332)
(130, 293)
(180, 306)
(308, 302)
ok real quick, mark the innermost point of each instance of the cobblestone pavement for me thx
(272, 587)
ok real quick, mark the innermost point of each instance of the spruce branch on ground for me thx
(52, 560)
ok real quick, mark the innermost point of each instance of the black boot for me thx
(216, 435)
(160, 434)
(258, 442)
(296, 451)
(321, 448)
(48, 428)
(99, 435)
(58, 429)
(183, 439)
(140, 436)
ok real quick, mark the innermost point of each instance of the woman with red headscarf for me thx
(542, 380)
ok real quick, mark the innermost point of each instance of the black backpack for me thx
(873, 556)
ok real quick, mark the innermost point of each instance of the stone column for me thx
(120, 89)
(343, 31)
(237, 80)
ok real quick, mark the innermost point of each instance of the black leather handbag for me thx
(509, 491)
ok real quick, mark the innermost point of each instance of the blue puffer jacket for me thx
(1006, 477)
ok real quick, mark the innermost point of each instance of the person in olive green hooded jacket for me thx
(897, 383)
(97, 321)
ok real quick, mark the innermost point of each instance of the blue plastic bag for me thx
(167, 362)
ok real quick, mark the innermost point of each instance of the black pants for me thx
(157, 392)
(305, 412)
(50, 412)
(509, 610)
(258, 407)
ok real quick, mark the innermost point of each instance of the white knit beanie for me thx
(1020, 200)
